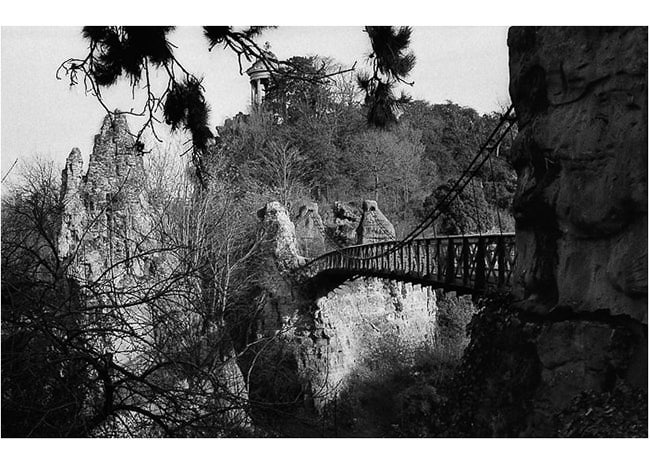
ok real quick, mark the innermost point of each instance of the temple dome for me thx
(260, 70)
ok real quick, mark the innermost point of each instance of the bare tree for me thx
(283, 168)
(137, 347)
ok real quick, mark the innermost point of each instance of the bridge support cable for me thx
(468, 174)
(476, 211)
(494, 187)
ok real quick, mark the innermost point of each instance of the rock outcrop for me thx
(581, 95)
(310, 231)
(374, 226)
(370, 328)
(106, 233)
(110, 238)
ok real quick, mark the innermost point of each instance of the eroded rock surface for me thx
(580, 95)
(368, 329)
(107, 233)
(374, 226)
(582, 160)
(310, 231)
(111, 240)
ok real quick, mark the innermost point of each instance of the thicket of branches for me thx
(114, 354)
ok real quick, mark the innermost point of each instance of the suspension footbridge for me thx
(471, 263)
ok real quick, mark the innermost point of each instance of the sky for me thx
(465, 65)
(45, 116)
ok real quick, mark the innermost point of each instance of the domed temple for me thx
(260, 74)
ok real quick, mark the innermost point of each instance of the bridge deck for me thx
(473, 263)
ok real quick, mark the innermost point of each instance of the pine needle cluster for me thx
(392, 62)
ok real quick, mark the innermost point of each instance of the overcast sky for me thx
(40, 114)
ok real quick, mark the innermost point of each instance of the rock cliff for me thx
(107, 233)
(580, 95)
(581, 155)
(111, 239)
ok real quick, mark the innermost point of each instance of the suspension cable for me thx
(494, 187)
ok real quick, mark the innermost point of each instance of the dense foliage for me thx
(329, 154)
(391, 64)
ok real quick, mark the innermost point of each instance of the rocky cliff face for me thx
(112, 240)
(107, 234)
(582, 160)
(580, 95)
(368, 329)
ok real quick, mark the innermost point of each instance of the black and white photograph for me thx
(302, 231)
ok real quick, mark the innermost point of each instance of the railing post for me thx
(439, 260)
(479, 281)
(385, 257)
(464, 257)
(378, 259)
(450, 272)
(427, 245)
(501, 261)
(409, 254)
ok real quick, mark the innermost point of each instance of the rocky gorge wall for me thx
(580, 95)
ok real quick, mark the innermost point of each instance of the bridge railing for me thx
(473, 262)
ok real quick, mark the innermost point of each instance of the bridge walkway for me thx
(469, 263)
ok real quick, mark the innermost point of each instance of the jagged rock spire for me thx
(116, 161)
